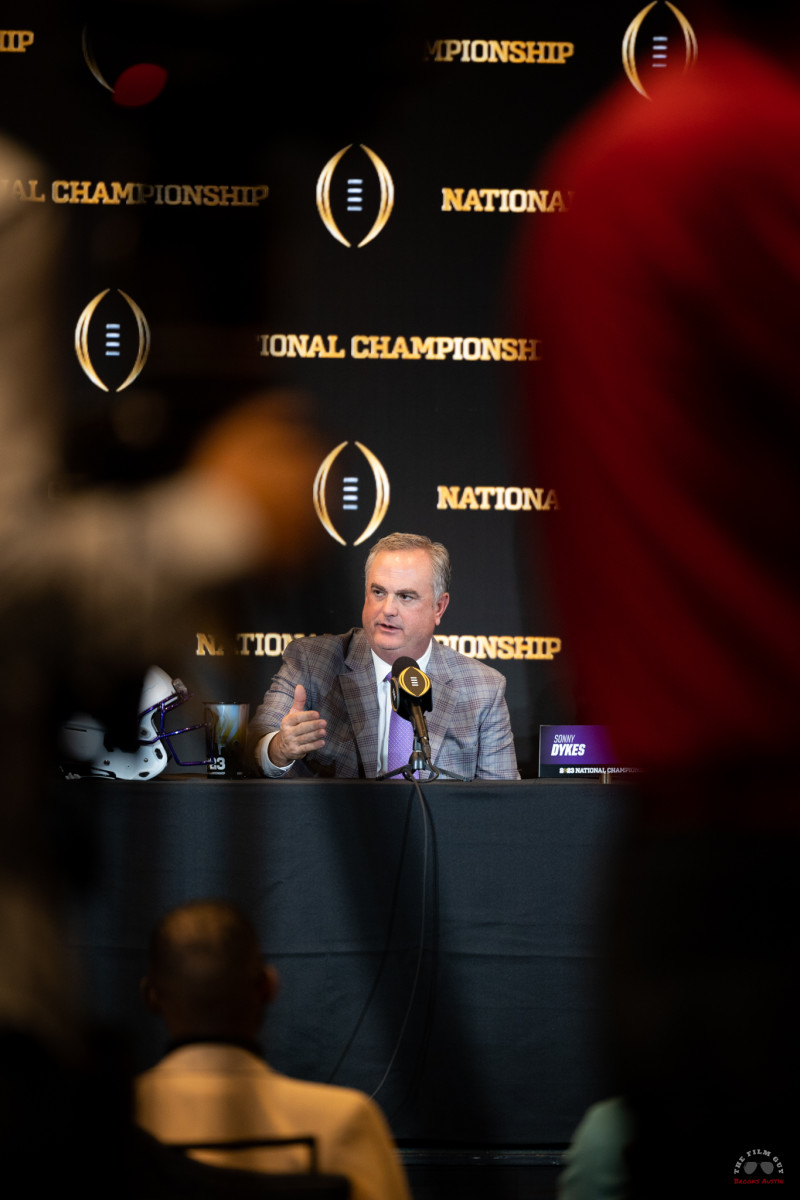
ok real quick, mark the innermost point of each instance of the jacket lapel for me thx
(357, 682)
(444, 700)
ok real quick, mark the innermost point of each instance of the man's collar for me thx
(242, 1043)
(382, 667)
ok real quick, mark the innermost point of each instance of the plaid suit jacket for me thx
(469, 727)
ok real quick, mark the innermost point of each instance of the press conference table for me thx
(455, 942)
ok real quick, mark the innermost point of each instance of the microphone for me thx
(412, 697)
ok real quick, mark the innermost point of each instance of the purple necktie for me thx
(401, 740)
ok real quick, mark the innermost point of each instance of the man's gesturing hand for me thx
(299, 733)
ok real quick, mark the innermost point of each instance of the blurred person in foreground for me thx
(86, 576)
(207, 981)
(668, 406)
(84, 584)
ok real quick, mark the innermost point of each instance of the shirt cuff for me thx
(265, 762)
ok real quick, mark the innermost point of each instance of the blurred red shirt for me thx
(666, 409)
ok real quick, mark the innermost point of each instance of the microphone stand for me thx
(420, 757)
(420, 760)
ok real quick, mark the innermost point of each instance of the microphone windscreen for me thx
(400, 664)
(410, 685)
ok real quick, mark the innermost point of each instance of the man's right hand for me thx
(300, 732)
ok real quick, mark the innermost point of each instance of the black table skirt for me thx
(444, 954)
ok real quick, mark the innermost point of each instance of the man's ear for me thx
(149, 994)
(440, 605)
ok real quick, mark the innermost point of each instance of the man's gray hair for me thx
(440, 559)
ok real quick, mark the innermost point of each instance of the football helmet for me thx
(83, 748)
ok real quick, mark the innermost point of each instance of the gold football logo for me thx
(112, 340)
(660, 46)
(354, 196)
(350, 494)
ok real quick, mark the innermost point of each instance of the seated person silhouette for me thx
(208, 982)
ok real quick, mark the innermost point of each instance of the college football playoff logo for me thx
(340, 488)
(354, 196)
(121, 341)
(662, 54)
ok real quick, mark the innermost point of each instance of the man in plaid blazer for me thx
(327, 711)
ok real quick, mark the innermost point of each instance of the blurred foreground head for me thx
(264, 453)
(667, 409)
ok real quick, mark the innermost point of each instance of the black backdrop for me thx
(264, 95)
